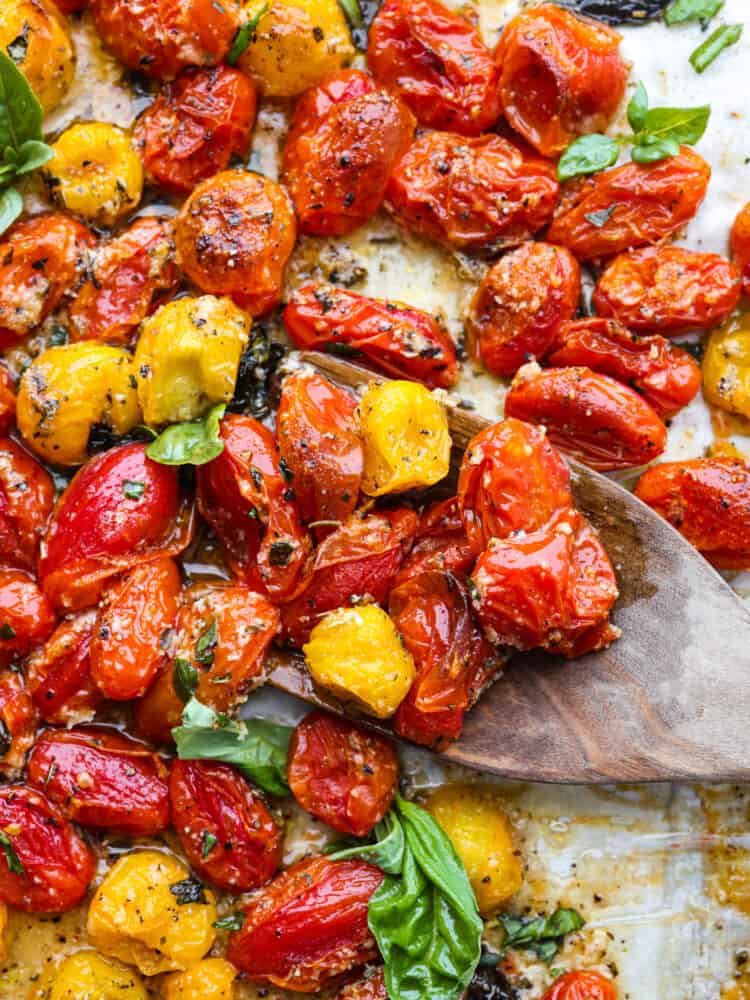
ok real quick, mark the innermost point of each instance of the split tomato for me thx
(58, 673)
(440, 543)
(26, 616)
(18, 721)
(26, 499)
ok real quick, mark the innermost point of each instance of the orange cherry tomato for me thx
(560, 76)
(436, 60)
(308, 926)
(18, 720)
(642, 204)
(440, 544)
(370, 988)
(26, 500)
(26, 616)
(665, 375)
(708, 501)
(739, 243)
(581, 986)
(159, 711)
(58, 673)
(399, 340)
(521, 304)
(7, 401)
(342, 774)
(130, 276)
(234, 236)
(195, 125)
(591, 417)
(336, 88)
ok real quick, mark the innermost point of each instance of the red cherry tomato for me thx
(370, 988)
(441, 543)
(643, 203)
(57, 864)
(18, 722)
(308, 926)
(399, 340)
(26, 616)
(27, 496)
(7, 402)
(581, 986)
(588, 416)
(665, 375)
(553, 587)
(436, 60)
(739, 242)
(317, 439)
(560, 76)
(102, 779)
(128, 643)
(343, 775)
(70, 6)
(248, 500)
(521, 304)
(344, 85)
(98, 531)
(58, 674)
(511, 480)
(130, 276)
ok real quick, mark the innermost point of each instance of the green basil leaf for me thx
(20, 112)
(682, 125)
(7, 631)
(206, 644)
(353, 12)
(209, 841)
(638, 108)
(587, 155)
(682, 11)
(32, 155)
(387, 852)
(540, 935)
(602, 217)
(232, 921)
(184, 679)
(11, 206)
(714, 45)
(11, 858)
(192, 443)
(564, 921)
(131, 488)
(662, 149)
(244, 35)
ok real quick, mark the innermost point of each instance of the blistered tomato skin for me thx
(18, 722)
(102, 779)
(195, 125)
(26, 500)
(440, 544)
(210, 979)
(45, 54)
(7, 401)
(521, 304)
(58, 673)
(591, 417)
(436, 60)
(560, 76)
(308, 926)
(58, 866)
(650, 201)
(234, 235)
(739, 244)
(581, 986)
(343, 775)
(228, 834)
(401, 341)
(26, 616)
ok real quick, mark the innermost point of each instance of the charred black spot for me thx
(618, 11)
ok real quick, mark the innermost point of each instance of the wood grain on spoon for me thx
(670, 701)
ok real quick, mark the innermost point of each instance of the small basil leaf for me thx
(540, 935)
(682, 11)
(714, 45)
(353, 12)
(208, 843)
(638, 108)
(587, 155)
(602, 217)
(206, 644)
(7, 631)
(11, 858)
(192, 443)
(20, 112)
(564, 921)
(11, 206)
(386, 853)
(662, 149)
(682, 125)
(131, 488)
(32, 155)
(184, 679)
(231, 922)
(244, 36)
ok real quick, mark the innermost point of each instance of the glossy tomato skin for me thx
(521, 304)
(560, 76)
(708, 501)
(337, 88)
(130, 276)
(358, 560)
(102, 779)
(27, 618)
(581, 986)
(739, 244)
(650, 202)
(436, 60)
(58, 865)
(7, 401)
(591, 417)
(342, 774)
(26, 499)
(58, 673)
(130, 635)
(665, 375)
(18, 722)
(401, 341)
(317, 440)
(668, 289)
(97, 532)
(308, 926)
(195, 125)
(441, 543)
(477, 195)
(249, 502)
(511, 480)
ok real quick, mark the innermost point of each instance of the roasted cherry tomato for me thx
(195, 125)
(161, 38)
(227, 832)
(739, 243)
(26, 616)
(59, 673)
(308, 926)
(370, 988)
(70, 6)
(553, 587)
(344, 85)
(26, 500)
(102, 779)
(511, 480)
(18, 721)
(120, 510)
(591, 417)
(404, 342)
(56, 865)
(665, 375)
(641, 203)
(248, 499)
(318, 441)
(708, 501)
(234, 235)
(357, 561)
(475, 195)
(581, 986)
(7, 401)
(339, 154)
(342, 774)
(130, 276)
(521, 304)
(441, 543)
(41, 259)
(560, 76)
(436, 60)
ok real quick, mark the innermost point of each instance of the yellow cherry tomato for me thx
(35, 36)
(726, 369)
(85, 976)
(211, 979)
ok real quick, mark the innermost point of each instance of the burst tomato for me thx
(591, 417)
(581, 986)
(441, 543)
(739, 243)
(401, 341)
(26, 616)
(18, 721)
(308, 926)
(7, 401)
(59, 673)
(370, 988)
(344, 85)
(26, 500)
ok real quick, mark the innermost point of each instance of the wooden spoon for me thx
(669, 701)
